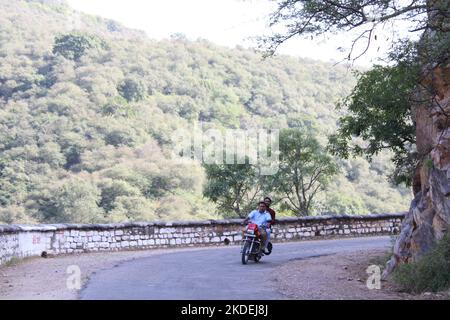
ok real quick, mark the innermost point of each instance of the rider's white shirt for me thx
(261, 219)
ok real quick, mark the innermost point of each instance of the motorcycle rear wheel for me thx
(245, 252)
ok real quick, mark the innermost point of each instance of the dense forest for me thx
(87, 108)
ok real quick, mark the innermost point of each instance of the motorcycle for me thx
(251, 243)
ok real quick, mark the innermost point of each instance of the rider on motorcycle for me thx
(262, 218)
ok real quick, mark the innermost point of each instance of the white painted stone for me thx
(104, 245)
(74, 233)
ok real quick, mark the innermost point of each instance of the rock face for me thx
(429, 216)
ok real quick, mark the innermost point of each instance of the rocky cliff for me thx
(429, 216)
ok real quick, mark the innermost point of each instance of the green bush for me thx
(132, 89)
(74, 46)
(431, 273)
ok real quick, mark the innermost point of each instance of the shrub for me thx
(76, 201)
(74, 46)
(132, 89)
(430, 273)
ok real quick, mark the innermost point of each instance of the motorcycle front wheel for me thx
(269, 248)
(245, 252)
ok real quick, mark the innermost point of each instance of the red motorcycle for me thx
(251, 243)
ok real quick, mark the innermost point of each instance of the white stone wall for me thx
(24, 241)
(9, 246)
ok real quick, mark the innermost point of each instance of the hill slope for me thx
(87, 108)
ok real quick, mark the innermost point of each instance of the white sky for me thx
(224, 22)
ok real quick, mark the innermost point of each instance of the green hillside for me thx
(87, 108)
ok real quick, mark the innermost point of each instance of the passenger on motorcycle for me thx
(268, 202)
(263, 219)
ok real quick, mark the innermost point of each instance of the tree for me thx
(343, 203)
(76, 200)
(235, 188)
(113, 189)
(132, 89)
(427, 220)
(133, 208)
(304, 170)
(73, 46)
(379, 111)
(365, 17)
(380, 106)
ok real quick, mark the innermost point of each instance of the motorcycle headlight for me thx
(251, 231)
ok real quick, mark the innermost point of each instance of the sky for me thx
(224, 22)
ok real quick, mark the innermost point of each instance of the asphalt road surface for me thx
(211, 273)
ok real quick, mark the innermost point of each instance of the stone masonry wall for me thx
(19, 241)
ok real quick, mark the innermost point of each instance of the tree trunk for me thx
(429, 216)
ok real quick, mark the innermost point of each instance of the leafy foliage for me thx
(132, 90)
(379, 112)
(234, 187)
(365, 17)
(87, 111)
(305, 170)
(74, 46)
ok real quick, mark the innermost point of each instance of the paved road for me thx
(211, 273)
